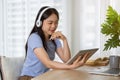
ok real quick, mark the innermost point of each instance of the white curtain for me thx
(86, 25)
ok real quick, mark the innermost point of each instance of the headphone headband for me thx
(38, 22)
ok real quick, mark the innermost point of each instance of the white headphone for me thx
(38, 22)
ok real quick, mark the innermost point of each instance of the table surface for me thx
(78, 74)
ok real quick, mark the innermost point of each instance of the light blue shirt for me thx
(33, 66)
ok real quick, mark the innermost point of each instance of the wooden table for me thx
(78, 74)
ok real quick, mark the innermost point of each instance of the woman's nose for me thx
(54, 25)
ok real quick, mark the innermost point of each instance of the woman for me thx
(43, 43)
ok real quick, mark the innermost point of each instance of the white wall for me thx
(1, 37)
(68, 21)
(75, 25)
(0, 17)
(116, 5)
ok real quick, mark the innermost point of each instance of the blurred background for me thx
(80, 22)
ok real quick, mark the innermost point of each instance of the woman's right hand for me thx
(80, 61)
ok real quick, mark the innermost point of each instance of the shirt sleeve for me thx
(34, 41)
(58, 43)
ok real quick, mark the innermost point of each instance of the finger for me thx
(88, 55)
(85, 57)
(52, 37)
(78, 59)
(58, 34)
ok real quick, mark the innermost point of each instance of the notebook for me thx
(109, 72)
(82, 53)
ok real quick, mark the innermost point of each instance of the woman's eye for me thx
(49, 23)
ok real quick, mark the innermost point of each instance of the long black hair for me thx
(39, 30)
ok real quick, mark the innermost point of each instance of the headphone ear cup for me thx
(38, 23)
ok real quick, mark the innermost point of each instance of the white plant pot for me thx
(115, 51)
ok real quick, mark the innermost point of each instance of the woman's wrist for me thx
(71, 67)
(64, 39)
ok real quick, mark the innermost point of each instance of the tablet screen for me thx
(82, 53)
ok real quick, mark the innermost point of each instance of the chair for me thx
(11, 67)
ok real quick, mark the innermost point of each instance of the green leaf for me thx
(106, 29)
(111, 15)
(111, 27)
(112, 43)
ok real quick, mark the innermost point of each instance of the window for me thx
(18, 18)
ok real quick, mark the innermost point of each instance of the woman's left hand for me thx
(57, 34)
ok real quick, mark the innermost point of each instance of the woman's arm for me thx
(56, 65)
(44, 58)
(63, 52)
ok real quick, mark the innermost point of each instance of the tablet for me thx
(82, 53)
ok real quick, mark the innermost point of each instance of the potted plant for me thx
(111, 28)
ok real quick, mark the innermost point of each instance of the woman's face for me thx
(50, 24)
